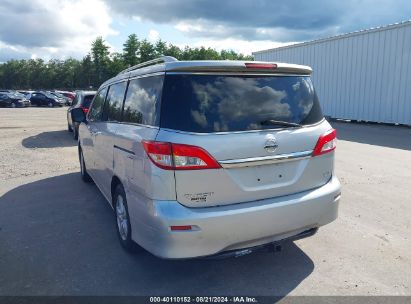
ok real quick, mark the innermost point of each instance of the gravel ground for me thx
(57, 234)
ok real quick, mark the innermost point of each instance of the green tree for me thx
(117, 64)
(160, 48)
(87, 72)
(147, 51)
(173, 50)
(131, 50)
(100, 56)
(98, 65)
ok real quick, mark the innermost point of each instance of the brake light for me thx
(159, 153)
(85, 110)
(326, 143)
(170, 156)
(254, 65)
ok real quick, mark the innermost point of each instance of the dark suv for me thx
(82, 100)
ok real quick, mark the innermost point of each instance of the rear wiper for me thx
(273, 122)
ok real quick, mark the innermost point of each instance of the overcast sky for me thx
(63, 28)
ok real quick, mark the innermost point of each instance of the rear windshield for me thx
(87, 100)
(221, 103)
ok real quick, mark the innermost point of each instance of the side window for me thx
(76, 99)
(114, 102)
(97, 107)
(142, 101)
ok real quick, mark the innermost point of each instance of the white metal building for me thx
(363, 75)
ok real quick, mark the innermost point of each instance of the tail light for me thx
(170, 156)
(326, 143)
(85, 110)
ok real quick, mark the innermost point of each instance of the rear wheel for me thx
(83, 170)
(123, 219)
(75, 133)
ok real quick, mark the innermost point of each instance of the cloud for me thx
(238, 45)
(281, 21)
(153, 35)
(52, 28)
(8, 52)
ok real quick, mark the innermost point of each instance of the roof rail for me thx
(148, 63)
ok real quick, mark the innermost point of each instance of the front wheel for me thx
(123, 220)
(13, 105)
(83, 170)
(50, 105)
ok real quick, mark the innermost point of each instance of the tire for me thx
(75, 133)
(83, 170)
(123, 226)
(50, 105)
(13, 105)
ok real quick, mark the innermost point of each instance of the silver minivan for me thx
(203, 158)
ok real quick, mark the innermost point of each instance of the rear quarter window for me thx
(223, 103)
(87, 99)
(141, 105)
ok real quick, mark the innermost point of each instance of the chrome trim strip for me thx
(265, 160)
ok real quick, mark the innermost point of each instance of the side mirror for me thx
(77, 115)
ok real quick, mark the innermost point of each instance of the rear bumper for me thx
(232, 227)
(269, 246)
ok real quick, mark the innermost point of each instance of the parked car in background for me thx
(61, 97)
(82, 100)
(41, 98)
(70, 95)
(13, 100)
(203, 158)
(6, 91)
(27, 94)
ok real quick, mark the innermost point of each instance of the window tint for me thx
(142, 101)
(97, 107)
(114, 102)
(215, 103)
(87, 100)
